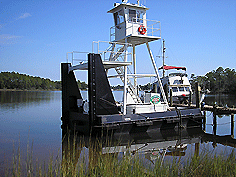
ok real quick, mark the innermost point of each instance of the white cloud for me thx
(25, 15)
(8, 39)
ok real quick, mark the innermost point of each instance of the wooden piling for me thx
(180, 117)
(190, 99)
(214, 123)
(171, 97)
(204, 121)
(155, 88)
(166, 91)
(232, 125)
(197, 94)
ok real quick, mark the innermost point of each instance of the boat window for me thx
(187, 89)
(140, 16)
(119, 17)
(175, 89)
(132, 15)
(181, 89)
(176, 82)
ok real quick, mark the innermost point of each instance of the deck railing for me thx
(100, 47)
(76, 57)
(153, 27)
(114, 48)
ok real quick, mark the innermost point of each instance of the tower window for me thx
(119, 18)
(132, 15)
(140, 16)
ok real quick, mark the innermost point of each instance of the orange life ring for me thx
(142, 29)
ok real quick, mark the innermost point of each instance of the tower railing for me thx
(153, 28)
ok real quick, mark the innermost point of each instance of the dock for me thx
(216, 109)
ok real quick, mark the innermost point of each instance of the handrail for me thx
(105, 53)
(153, 27)
(73, 59)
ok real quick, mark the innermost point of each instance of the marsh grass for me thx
(76, 160)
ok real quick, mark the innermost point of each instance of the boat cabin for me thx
(130, 23)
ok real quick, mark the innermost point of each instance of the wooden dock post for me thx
(166, 91)
(214, 123)
(171, 97)
(190, 99)
(232, 125)
(204, 121)
(155, 88)
(197, 94)
(180, 117)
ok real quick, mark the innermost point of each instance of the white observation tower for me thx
(132, 28)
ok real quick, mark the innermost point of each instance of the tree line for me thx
(217, 81)
(14, 80)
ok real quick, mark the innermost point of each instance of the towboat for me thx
(118, 60)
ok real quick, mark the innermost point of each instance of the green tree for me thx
(218, 81)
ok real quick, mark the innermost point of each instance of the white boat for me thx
(176, 84)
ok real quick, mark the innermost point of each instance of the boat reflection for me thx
(156, 144)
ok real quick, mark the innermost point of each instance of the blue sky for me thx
(36, 35)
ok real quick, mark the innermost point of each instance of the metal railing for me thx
(115, 48)
(153, 27)
(100, 47)
(76, 57)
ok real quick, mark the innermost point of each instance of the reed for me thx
(77, 160)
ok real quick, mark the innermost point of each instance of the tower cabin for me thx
(131, 24)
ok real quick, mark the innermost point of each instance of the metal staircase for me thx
(131, 89)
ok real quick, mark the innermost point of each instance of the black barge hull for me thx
(103, 114)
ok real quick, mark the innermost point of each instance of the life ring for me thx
(155, 99)
(142, 29)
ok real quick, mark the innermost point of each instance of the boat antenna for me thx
(163, 64)
(138, 2)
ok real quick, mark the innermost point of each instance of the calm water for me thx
(34, 118)
(30, 117)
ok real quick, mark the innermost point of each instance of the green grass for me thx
(76, 161)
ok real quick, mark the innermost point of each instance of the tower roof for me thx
(127, 5)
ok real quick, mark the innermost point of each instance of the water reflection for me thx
(155, 145)
(35, 116)
(20, 99)
(221, 100)
(30, 116)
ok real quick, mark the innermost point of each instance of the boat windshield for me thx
(175, 89)
(181, 89)
(178, 74)
(187, 89)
